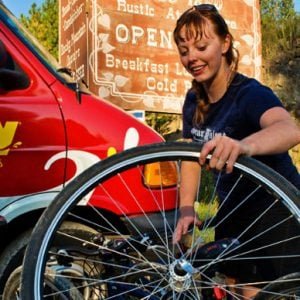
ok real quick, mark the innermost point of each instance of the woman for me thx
(233, 115)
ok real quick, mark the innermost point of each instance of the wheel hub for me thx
(181, 273)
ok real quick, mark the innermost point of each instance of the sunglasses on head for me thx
(206, 7)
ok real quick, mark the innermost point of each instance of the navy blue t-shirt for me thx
(237, 115)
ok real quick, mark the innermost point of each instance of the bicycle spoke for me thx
(109, 234)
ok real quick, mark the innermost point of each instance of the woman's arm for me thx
(278, 134)
(189, 184)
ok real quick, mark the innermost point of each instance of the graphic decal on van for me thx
(81, 159)
(7, 134)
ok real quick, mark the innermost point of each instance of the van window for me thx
(12, 77)
(34, 46)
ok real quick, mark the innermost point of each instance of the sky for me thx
(22, 6)
(297, 5)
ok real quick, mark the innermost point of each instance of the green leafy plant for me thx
(42, 22)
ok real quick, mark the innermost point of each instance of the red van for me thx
(51, 129)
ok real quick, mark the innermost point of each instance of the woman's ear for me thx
(226, 44)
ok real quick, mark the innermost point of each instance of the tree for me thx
(42, 22)
(277, 9)
(280, 35)
(279, 26)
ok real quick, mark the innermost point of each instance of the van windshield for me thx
(33, 44)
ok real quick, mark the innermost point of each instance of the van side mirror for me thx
(13, 80)
(11, 76)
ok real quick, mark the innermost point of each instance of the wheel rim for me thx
(158, 278)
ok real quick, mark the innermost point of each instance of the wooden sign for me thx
(125, 52)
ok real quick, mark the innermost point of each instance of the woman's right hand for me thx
(187, 218)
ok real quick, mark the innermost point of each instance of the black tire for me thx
(12, 288)
(284, 288)
(81, 268)
(138, 259)
(12, 259)
(12, 256)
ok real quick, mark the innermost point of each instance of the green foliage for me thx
(277, 9)
(207, 193)
(279, 26)
(280, 36)
(160, 121)
(42, 22)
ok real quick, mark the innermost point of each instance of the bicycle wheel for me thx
(131, 200)
(286, 287)
(58, 288)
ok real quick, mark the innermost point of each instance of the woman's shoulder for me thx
(250, 88)
(191, 95)
(243, 81)
(190, 103)
(190, 99)
(253, 98)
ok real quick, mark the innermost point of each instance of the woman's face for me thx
(203, 58)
